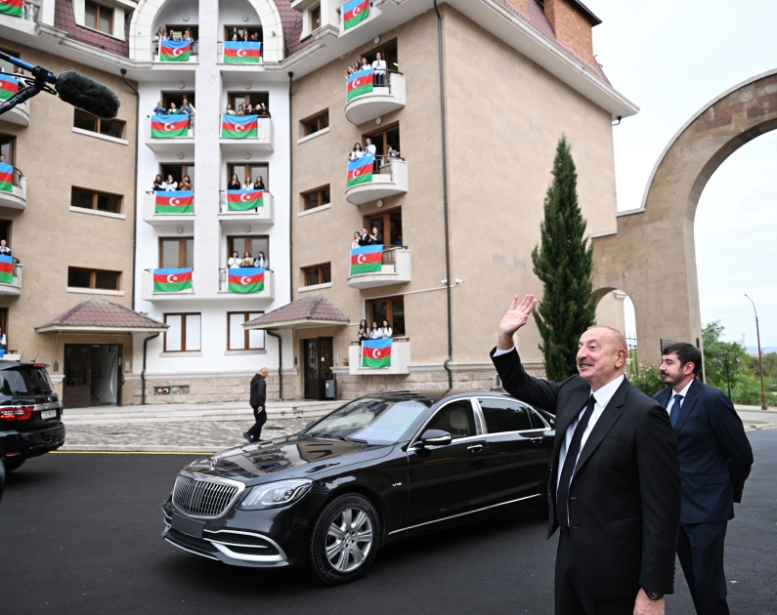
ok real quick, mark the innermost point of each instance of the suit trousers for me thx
(700, 551)
(572, 597)
(260, 418)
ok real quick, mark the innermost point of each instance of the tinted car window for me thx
(456, 418)
(504, 415)
(24, 382)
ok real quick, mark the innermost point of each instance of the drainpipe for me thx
(135, 204)
(143, 372)
(280, 363)
(291, 197)
(445, 198)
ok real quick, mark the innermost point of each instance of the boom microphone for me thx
(93, 97)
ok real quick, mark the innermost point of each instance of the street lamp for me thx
(760, 358)
(735, 365)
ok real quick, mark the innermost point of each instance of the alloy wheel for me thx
(349, 539)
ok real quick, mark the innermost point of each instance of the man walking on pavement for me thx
(715, 461)
(257, 400)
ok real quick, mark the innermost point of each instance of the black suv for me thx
(30, 413)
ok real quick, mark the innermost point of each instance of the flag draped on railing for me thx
(360, 170)
(361, 82)
(175, 51)
(14, 8)
(174, 202)
(355, 12)
(239, 126)
(242, 52)
(169, 126)
(6, 269)
(245, 280)
(243, 200)
(172, 280)
(9, 86)
(367, 259)
(6, 177)
(377, 353)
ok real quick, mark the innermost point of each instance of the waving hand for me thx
(516, 317)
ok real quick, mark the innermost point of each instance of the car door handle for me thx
(536, 440)
(475, 448)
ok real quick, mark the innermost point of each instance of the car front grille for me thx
(202, 498)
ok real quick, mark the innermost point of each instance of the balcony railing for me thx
(13, 288)
(17, 198)
(260, 138)
(400, 359)
(181, 140)
(387, 94)
(148, 292)
(247, 60)
(395, 269)
(248, 283)
(235, 212)
(154, 218)
(389, 178)
(193, 53)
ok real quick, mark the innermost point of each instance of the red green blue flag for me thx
(11, 7)
(169, 126)
(243, 200)
(6, 177)
(376, 353)
(239, 126)
(355, 12)
(361, 82)
(174, 202)
(360, 170)
(245, 280)
(175, 51)
(367, 259)
(242, 52)
(9, 86)
(172, 280)
(6, 269)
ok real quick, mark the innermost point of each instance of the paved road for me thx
(79, 534)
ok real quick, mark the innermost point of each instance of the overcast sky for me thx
(672, 58)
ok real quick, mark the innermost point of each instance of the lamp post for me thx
(735, 364)
(760, 358)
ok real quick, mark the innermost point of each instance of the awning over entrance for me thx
(309, 313)
(101, 316)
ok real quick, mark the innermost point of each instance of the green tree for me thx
(563, 262)
(744, 380)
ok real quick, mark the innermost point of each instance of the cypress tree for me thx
(563, 262)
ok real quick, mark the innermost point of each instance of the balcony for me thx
(400, 360)
(378, 102)
(391, 180)
(173, 64)
(155, 219)
(20, 114)
(13, 289)
(268, 293)
(260, 215)
(248, 59)
(162, 140)
(395, 269)
(17, 198)
(147, 290)
(262, 142)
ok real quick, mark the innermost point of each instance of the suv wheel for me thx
(344, 540)
(13, 463)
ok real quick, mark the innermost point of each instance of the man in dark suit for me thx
(715, 461)
(257, 400)
(614, 488)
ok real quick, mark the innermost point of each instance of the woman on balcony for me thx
(248, 260)
(186, 183)
(234, 183)
(173, 110)
(376, 332)
(261, 261)
(386, 329)
(379, 66)
(158, 183)
(248, 184)
(356, 243)
(364, 331)
(170, 184)
(234, 261)
(356, 151)
(234, 36)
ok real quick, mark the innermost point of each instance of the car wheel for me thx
(13, 463)
(344, 540)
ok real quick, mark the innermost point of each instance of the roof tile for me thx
(314, 307)
(102, 313)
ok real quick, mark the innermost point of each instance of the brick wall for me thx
(573, 30)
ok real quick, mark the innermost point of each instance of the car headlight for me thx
(278, 493)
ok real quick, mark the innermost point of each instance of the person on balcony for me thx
(262, 110)
(241, 110)
(170, 184)
(255, 37)
(173, 110)
(234, 261)
(158, 182)
(393, 154)
(356, 152)
(186, 183)
(2, 158)
(364, 238)
(370, 148)
(261, 261)
(187, 35)
(356, 240)
(364, 331)
(386, 329)
(376, 237)
(259, 184)
(159, 36)
(249, 110)
(188, 109)
(248, 260)
(379, 66)
(160, 109)
(230, 110)
(365, 65)
(4, 249)
(376, 332)
(248, 184)
(348, 72)
(234, 183)
(234, 36)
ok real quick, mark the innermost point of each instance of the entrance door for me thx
(77, 389)
(318, 357)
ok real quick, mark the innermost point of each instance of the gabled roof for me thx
(98, 315)
(311, 312)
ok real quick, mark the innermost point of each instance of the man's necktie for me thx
(675, 412)
(562, 495)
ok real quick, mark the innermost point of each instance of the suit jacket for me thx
(258, 392)
(624, 499)
(715, 454)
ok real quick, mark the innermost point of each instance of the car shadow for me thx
(23, 478)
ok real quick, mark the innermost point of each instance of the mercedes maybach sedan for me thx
(378, 469)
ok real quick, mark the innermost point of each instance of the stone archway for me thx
(652, 255)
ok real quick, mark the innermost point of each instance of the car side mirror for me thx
(435, 437)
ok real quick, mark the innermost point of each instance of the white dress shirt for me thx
(684, 394)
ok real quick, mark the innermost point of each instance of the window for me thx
(318, 274)
(382, 139)
(183, 333)
(249, 170)
(99, 17)
(178, 32)
(389, 225)
(178, 171)
(456, 418)
(8, 148)
(254, 98)
(391, 309)
(504, 415)
(314, 124)
(316, 198)
(239, 338)
(92, 123)
(254, 245)
(315, 17)
(100, 201)
(93, 278)
(388, 52)
(5, 231)
(177, 98)
(252, 30)
(177, 253)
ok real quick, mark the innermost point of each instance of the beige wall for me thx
(47, 237)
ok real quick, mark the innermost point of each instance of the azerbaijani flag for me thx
(6, 177)
(169, 126)
(172, 280)
(239, 126)
(243, 200)
(367, 259)
(8, 85)
(174, 202)
(6, 269)
(11, 7)
(377, 353)
(242, 52)
(361, 82)
(245, 280)
(174, 51)
(360, 170)
(355, 12)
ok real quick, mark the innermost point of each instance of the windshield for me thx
(25, 382)
(376, 421)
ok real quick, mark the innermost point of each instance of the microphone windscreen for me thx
(87, 94)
